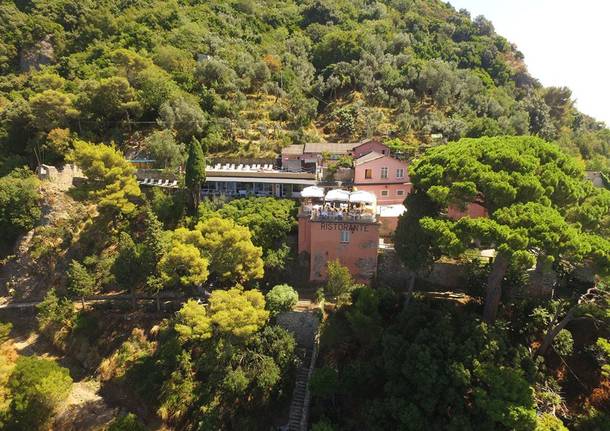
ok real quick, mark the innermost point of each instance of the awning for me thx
(337, 195)
(298, 181)
(391, 211)
(312, 192)
(362, 197)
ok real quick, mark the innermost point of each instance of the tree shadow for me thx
(90, 415)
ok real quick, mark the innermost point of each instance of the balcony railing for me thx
(346, 216)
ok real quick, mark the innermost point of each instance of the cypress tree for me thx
(195, 172)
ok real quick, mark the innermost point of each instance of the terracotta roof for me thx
(292, 150)
(331, 148)
(368, 158)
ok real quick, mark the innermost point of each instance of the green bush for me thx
(19, 208)
(564, 343)
(281, 298)
(38, 386)
(129, 422)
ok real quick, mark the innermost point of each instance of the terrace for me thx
(242, 180)
(338, 205)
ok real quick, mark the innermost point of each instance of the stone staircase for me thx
(303, 323)
(299, 407)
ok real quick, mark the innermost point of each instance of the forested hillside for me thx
(154, 308)
(253, 76)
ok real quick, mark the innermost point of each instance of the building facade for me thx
(472, 210)
(342, 231)
(315, 155)
(370, 146)
(384, 176)
(255, 180)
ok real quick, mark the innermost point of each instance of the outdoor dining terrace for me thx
(338, 205)
(342, 214)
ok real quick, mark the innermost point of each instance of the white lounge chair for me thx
(175, 183)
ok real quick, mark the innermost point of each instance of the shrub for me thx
(324, 383)
(281, 298)
(129, 422)
(564, 343)
(38, 386)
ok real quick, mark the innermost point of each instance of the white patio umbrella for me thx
(312, 192)
(362, 197)
(337, 195)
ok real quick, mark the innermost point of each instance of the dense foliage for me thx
(428, 367)
(19, 205)
(533, 195)
(221, 368)
(250, 77)
(186, 82)
(37, 386)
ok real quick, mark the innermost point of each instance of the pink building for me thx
(341, 231)
(384, 176)
(370, 146)
(309, 155)
(472, 210)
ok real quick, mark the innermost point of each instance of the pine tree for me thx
(80, 281)
(153, 249)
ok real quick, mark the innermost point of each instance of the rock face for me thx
(25, 278)
(38, 55)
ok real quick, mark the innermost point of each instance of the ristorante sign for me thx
(352, 227)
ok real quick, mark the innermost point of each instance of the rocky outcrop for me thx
(34, 57)
(21, 276)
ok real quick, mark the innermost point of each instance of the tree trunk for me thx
(82, 301)
(410, 289)
(537, 278)
(195, 198)
(494, 288)
(158, 302)
(133, 298)
(550, 336)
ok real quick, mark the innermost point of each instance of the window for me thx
(400, 192)
(400, 173)
(368, 174)
(384, 173)
(384, 193)
(344, 236)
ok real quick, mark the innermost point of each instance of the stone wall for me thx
(446, 276)
(452, 276)
(63, 178)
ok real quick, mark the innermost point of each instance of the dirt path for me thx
(84, 409)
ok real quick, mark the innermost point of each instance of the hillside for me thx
(131, 305)
(253, 76)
